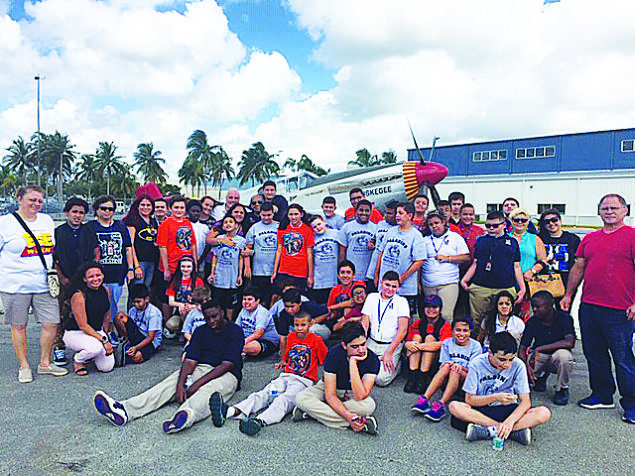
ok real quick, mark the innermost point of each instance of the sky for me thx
(322, 78)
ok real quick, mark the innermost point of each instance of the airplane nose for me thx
(431, 172)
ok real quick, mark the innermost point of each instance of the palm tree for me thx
(389, 157)
(87, 172)
(257, 165)
(305, 163)
(291, 164)
(199, 150)
(57, 156)
(106, 161)
(221, 169)
(125, 183)
(364, 159)
(148, 163)
(18, 160)
(191, 173)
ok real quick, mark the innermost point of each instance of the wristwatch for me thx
(104, 339)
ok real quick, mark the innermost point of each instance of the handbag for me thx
(551, 282)
(52, 277)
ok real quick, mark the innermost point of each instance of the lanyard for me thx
(443, 242)
(380, 315)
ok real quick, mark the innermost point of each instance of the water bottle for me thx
(498, 444)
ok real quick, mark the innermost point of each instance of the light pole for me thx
(39, 141)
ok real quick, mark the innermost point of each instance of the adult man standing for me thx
(606, 262)
(280, 204)
(355, 196)
(496, 267)
(385, 316)
(213, 359)
(220, 210)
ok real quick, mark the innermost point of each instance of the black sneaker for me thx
(476, 432)
(299, 415)
(370, 425)
(110, 408)
(250, 426)
(521, 436)
(561, 397)
(218, 408)
(540, 385)
(629, 416)
(59, 355)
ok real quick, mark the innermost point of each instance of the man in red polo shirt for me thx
(355, 195)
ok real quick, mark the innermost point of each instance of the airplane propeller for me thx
(433, 190)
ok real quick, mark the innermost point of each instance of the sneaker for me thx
(594, 403)
(521, 436)
(25, 375)
(422, 406)
(540, 385)
(218, 408)
(250, 426)
(437, 412)
(59, 356)
(176, 423)
(477, 432)
(370, 425)
(113, 337)
(51, 369)
(110, 408)
(299, 415)
(561, 397)
(168, 334)
(629, 416)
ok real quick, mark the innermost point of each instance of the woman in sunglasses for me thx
(560, 245)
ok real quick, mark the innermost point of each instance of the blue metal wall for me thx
(585, 151)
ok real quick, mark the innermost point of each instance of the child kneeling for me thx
(456, 353)
(497, 401)
(303, 351)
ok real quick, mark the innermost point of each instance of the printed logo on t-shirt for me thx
(299, 358)
(147, 234)
(324, 251)
(393, 251)
(362, 241)
(293, 243)
(46, 243)
(491, 383)
(271, 240)
(110, 247)
(184, 239)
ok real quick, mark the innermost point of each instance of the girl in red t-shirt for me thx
(294, 256)
(185, 279)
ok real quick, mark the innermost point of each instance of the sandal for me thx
(80, 369)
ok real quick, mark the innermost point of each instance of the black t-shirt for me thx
(501, 254)
(112, 242)
(284, 321)
(337, 363)
(67, 249)
(145, 240)
(96, 303)
(561, 252)
(209, 347)
(537, 334)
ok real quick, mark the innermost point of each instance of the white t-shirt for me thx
(384, 315)
(514, 325)
(200, 232)
(434, 273)
(20, 265)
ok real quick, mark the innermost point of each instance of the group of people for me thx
(362, 294)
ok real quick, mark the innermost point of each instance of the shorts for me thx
(263, 284)
(135, 337)
(495, 412)
(278, 283)
(267, 348)
(227, 298)
(320, 296)
(16, 308)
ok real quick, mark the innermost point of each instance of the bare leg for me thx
(47, 337)
(466, 413)
(534, 417)
(437, 381)
(252, 348)
(414, 360)
(120, 324)
(428, 357)
(18, 338)
(454, 382)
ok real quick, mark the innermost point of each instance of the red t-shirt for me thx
(302, 355)
(609, 276)
(375, 215)
(339, 294)
(470, 235)
(446, 330)
(295, 242)
(185, 290)
(178, 238)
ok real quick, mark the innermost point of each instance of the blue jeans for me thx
(115, 293)
(603, 330)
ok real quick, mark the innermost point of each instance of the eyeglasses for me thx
(359, 293)
(256, 202)
(520, 220)
(610, 209)
(493, 225)
(107, 209)
(552, 220)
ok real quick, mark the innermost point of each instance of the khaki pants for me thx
(449, 294)
(384, 377)
(559, 363)
(482, 301)
(197, 406)
(312, 402)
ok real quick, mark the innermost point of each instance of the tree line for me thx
(52, 161)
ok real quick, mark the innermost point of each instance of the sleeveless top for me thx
(97, 305)
(527, 247)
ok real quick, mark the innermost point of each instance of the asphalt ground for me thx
(50, 427)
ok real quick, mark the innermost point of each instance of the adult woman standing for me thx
(89, 320)
(445, 250)
(143, 228)
(24, 282)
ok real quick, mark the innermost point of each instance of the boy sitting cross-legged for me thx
(456, 353)
(303, 352)
(497, 401)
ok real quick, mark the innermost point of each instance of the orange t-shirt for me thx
(302, 355)
(446, 330)
(295, 242)
(375, 215)
(178, 238)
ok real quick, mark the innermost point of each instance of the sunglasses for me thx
(107, 209)
(520, 220)
(256, 202)
(492, 225)
(552, 220)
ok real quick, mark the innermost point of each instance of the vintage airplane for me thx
(381, 183)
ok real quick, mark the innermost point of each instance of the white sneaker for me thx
(25, 375)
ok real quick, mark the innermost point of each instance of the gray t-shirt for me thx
(484, 379)
(382, 227)
(326, 252)
(264, 239)
(399, 250)
(356, 237)
(227, 264)
(336, 222)
(258, 319)
(461, 354)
